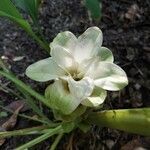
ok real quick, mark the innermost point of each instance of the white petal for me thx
(66, 40)
(87, 43)
(82, 68)
(60, 98)
(44, 70)
(97, 98)
(81, 89)
(63, 58)
(105, 54)
(107, 76)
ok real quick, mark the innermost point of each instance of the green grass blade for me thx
(41, 138)
(27, 131)
(28, 99)
(30, 7)
(58, 138)
(9, 11)
(7, 7)
(30, 102)
(26, 88)
(129, 120)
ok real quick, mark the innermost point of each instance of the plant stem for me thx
(10, 91)
(58, 138)
(27, 131)
(28, 98)
(25, 87)
(128, 120)
(41, 138)
(40, 32)
(44, 45)
(34, 107)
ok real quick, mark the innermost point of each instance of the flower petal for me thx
(107, 76)
(87, 43)
(97, 98)
(44, 70)
(105, 54)
(63, 58)
(60, 98)
(81, 89)
(66, 40)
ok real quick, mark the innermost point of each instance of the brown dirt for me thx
(126, 28)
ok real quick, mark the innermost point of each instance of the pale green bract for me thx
(82, 69)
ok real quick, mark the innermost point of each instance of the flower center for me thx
(76, 78)
(76, 74)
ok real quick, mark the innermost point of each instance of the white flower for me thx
(83, 69)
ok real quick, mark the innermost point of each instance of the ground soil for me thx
(126, 29)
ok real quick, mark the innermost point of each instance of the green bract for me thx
(82, 70)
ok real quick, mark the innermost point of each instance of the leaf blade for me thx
(94, 7)
(129, 120)
(8, 10)
(30, 7)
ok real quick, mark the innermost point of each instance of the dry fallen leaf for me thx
(10, 123)
(16, 104)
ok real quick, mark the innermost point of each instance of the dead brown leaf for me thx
(10, 123)
(16, 104)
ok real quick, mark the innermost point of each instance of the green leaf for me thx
(94, 7)
(128, 120)
(30, 7)
(50, 132)
(8, 10)
(24, 87)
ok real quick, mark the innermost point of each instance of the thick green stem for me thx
(58, 138)
(41, 138)
(128, 120)
(25, 87)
